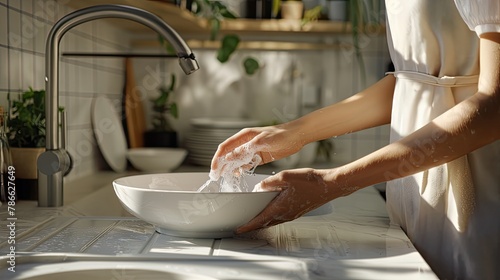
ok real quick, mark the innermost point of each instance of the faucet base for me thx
(50, 190)
(52, 166)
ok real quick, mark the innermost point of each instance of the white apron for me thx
(451, 212)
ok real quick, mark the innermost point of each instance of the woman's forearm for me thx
(369, 108)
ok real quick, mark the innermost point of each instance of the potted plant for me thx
(26, 137)
(292, 9)
(163, 134)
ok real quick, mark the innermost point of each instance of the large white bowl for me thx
(176, 208)
(156, 159)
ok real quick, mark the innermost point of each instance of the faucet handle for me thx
(64, 139)
(64, 129)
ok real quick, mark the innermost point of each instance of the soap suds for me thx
(233, 171)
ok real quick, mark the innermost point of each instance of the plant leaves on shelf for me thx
(173, 110)
(251, 65)
(228, 46)
(214, 28)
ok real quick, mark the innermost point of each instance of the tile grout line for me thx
(87, 245)
(215, 246)
(72, 221)
(151, 240)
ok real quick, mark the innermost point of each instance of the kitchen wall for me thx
(24, 26)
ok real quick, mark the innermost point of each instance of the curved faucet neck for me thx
(55, 162)
(186, 57)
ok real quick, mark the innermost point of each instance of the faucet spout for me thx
(55, 162)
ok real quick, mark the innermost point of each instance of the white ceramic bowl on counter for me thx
(175, 207)
(156, 159)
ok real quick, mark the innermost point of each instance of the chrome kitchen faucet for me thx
(55, 162)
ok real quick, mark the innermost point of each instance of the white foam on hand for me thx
(230, 173)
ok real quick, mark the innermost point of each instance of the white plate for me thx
(109, 133)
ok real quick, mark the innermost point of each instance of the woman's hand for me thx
(301, 190)
(270, 143)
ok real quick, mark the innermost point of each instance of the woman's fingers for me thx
(229, 149)
(272, 214)
(301, 190)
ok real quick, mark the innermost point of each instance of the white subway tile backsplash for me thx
(41, 32)
(39, 71)
(14, 29)
(15, 70)
(28, 32)
(16, 4)
(27, 6)
(3, 25)
(28, 75)
(3, 100)
(48, 10)
(4, 68)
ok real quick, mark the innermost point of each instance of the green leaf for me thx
(228, 46)
(251, 65)
(276, 7)
(26, 123)
(172, 83)
(223, 10)
(161, 101)
(174, 111)
(214, 28)
(312, 14)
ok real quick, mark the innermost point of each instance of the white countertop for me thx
(353, 241)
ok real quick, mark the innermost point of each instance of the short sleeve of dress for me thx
(482, 16)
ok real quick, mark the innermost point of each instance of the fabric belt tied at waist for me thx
(445, 81)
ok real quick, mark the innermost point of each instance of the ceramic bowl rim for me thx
(147, 189)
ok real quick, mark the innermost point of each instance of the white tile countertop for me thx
(350, 239)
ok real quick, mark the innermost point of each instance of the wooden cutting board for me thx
(133, 108)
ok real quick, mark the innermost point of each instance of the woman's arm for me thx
(469, 125)
(368, 108)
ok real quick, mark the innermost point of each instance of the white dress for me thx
(451, 212)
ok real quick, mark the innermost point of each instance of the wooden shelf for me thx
(284, 27)
(190, 26)
(186, 22)
(251, 45)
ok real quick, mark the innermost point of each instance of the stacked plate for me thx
(208, 133)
